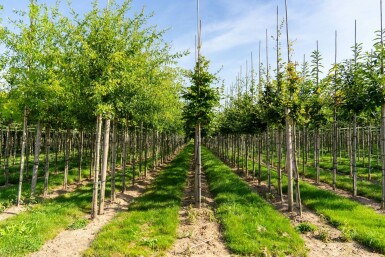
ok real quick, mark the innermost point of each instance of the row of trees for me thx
(300, 97)
(106, 68)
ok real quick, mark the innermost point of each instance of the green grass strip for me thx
(356, 221)
(250, 225)
(8, 195)
(28, 231)
(149, 226)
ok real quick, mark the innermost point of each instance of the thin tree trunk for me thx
(113, 157)
(6, 154)
(124, 162)
(103, 174)
(317, 155)
(27, 146)
(268, 159)
(198, 185)
(23, 143)
(354, 154)
(46, 167)
(146, 146)
(80, 155)
(36, 159)
(14, 147)
(96, 163)
(279, 155)
(253, 154)
(369, 151)
(289, 160)
(67, 158)
(259, 159)
(296, 173)
(383, 154)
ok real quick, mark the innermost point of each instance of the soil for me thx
(198, 233)
(326, 241)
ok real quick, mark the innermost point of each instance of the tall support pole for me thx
(198, 164)
(382, 118)
(335, 139)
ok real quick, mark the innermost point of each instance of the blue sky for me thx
(231, 29)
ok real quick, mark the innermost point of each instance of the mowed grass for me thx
(28, 231)
(8, 194)
(149, 226)
(356, 221)
(366, 188)
(250, 225)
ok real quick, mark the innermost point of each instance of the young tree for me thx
(201, 99)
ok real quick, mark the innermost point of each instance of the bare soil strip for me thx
(74, 242)
(327, 241)
(14, 210)
(198, 233)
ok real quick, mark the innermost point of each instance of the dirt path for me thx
(198, 233)
(73, 242)
(14, 210)
(327, 241)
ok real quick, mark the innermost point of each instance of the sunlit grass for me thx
(149, 226)
(357, 222)
(250, 225)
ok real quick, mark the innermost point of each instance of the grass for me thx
(305, 227)
(250, 225)
(29, 230)
(149, 226)
(365, 188)
(359, 222)
(356, 221)
(8, 194)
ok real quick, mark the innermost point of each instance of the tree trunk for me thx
(198, 185)
(279, 156)
(67, 158)
(268, 159)
(46, 167)
(383, 154)
(96, 163)
(6, 154)
(103, 174)
(295, 171)
(354, 154)
(23, 143)
(27, 146)
(253, 154)
(369, 151)
(14, 147)
(289, 160)
(317, 154)
(146, 145)
(113, 158)
(334, 148)
(259, 159)
(36, 159)
(80, 155)
(124, 162)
